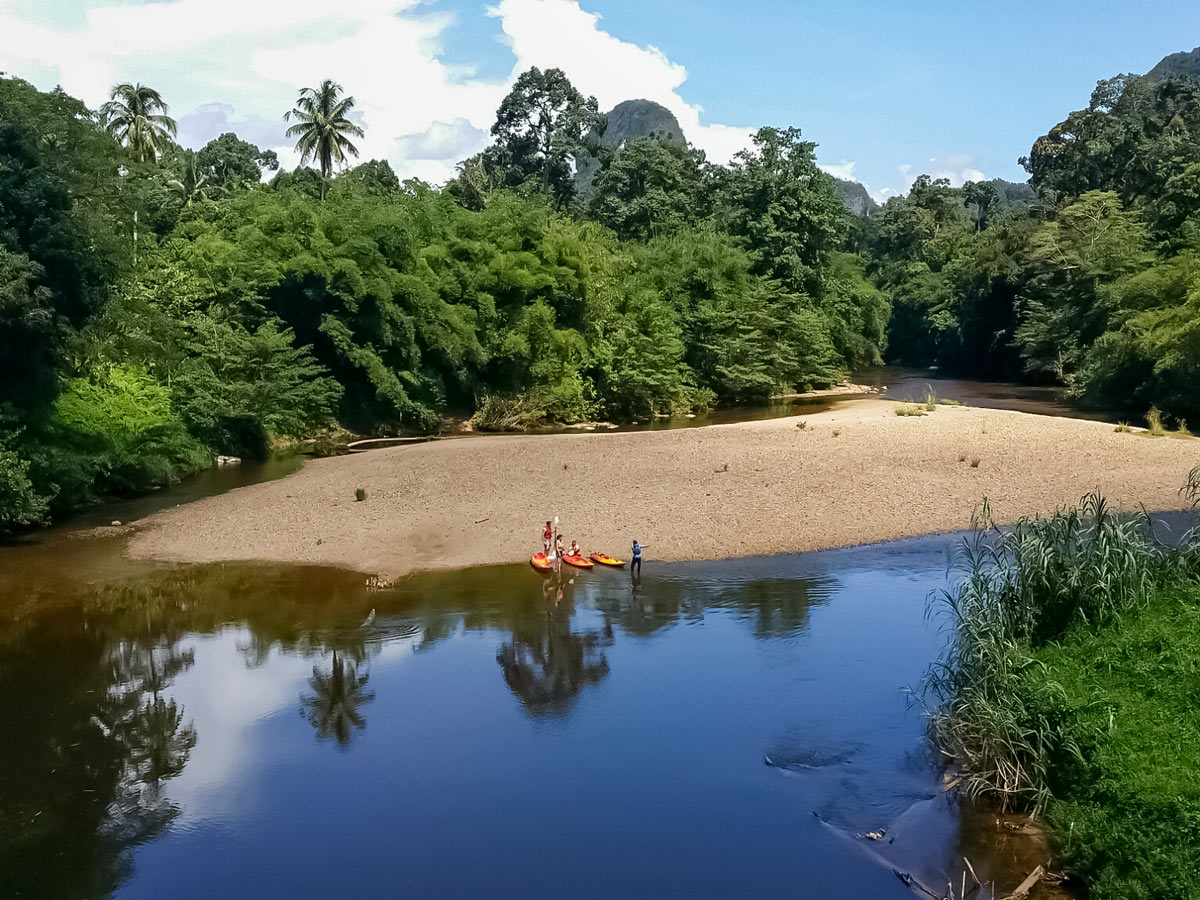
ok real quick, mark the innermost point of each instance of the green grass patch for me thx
(1125, 813)
(910, 409)
(1123, 428)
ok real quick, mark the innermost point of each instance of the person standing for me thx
(547, 538)
(635, 563)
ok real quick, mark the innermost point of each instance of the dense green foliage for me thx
(1068, 686)
(132, 267)
(1126, 813)
(159, 305)
(1092, 285)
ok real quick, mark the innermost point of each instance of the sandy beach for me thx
(856, 474)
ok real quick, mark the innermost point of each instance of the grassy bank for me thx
(1125, 813)
(1068, 689)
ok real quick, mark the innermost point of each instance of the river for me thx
(705, 730)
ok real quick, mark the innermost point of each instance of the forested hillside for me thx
(159, 305)
(1092, 283)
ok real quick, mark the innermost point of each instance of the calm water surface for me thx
(712, 730)
(254, 731)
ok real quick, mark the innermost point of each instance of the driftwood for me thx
(1027, 885)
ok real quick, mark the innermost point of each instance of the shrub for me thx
(1154, 421)
(20, 504)
(1123, 428)
(1022, 589)
(909, 409)
(360, 495)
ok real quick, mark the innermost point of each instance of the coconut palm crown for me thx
(136, 115)
(322, 128)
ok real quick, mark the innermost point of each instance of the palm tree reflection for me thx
(333, 706)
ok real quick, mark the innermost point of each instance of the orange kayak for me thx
(605, 560)
(541, 563)
(579, 562)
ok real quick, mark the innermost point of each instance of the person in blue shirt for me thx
(636, 562)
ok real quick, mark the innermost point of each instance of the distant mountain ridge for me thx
(855, 197)
(1175, 65)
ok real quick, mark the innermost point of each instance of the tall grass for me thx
(990, 711)
(1154, 423)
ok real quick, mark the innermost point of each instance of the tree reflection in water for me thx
(545, 663)
(333, 706)
(85, 677)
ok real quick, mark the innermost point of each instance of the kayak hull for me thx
(604, 559)
(579, 562)
(541, 563)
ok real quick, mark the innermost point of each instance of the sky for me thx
(888, 89)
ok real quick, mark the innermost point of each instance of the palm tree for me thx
(190, 183)
(322, 127)
(136, 116)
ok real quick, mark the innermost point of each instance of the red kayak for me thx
(541, 563)
(579, 562)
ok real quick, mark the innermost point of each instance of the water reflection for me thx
(162, 722)
(334, 707)
(546, 663)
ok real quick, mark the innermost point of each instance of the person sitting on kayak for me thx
(574, 551)
(636, 561)
(547, 538)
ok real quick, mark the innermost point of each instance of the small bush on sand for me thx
(1154, 421)
(360, 494)
(1123, 428)
(909, 409)
(975, 463)
(931, 400)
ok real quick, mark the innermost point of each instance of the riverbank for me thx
(857, 474)
(1126, 695)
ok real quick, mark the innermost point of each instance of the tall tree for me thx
(785, 209)
(189, 180)
(650, 187)
(323, 129)
(228, 163)
(541, 124)
(136, 115)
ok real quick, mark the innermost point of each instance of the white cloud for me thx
(233, 65)
(236, 65)
(957, 169)
(843, 170)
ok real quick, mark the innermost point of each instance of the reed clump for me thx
(1154, 423)
(990, 710)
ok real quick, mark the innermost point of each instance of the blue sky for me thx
(887, 89)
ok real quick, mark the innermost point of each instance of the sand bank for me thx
(853, 475)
